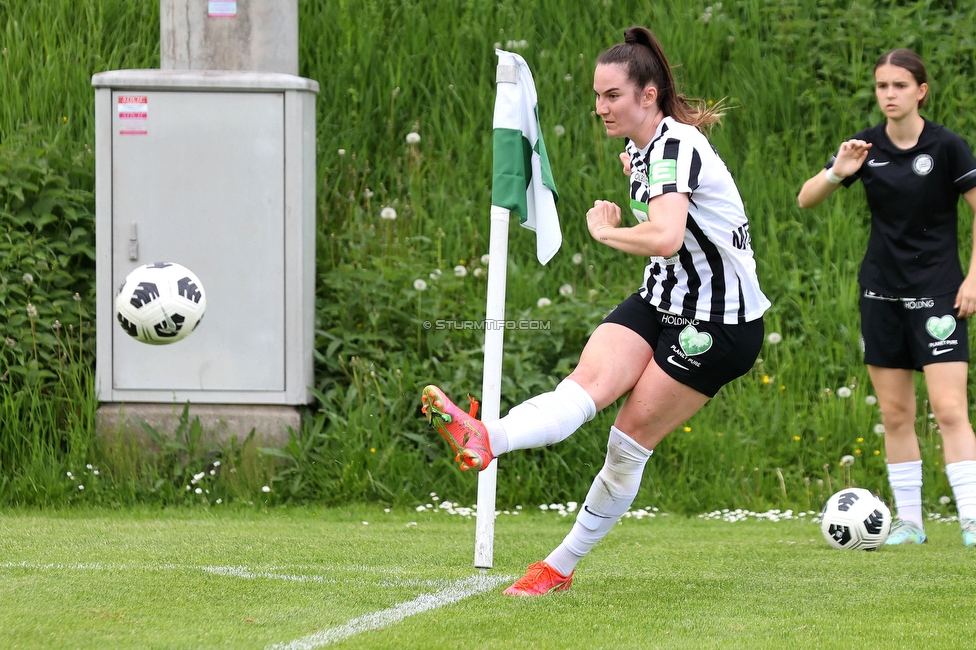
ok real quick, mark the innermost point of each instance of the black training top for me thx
(913, 195)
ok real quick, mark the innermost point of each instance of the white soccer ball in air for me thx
(160, 303)
(854, 519)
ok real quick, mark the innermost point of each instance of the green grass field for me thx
(363, 577)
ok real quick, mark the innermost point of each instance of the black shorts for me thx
(699, 354)
(911, 332)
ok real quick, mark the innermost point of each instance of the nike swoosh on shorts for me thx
(675, 363)
(936, 353)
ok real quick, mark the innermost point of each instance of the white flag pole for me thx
(491, 387)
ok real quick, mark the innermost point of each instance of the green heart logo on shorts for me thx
(941, 328)
(694, 342)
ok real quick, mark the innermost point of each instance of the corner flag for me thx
(522, 179)
(522, 183)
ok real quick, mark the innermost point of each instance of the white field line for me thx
(457, 591)
(229, 571)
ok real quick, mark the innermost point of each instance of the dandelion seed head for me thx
(81, 487)
(944, 500)
(559, 130)
(578, 258)
(844, 392)
(774, 338)
(265, 488)
(870, 400)
(568, 78)
(566, 290)
(419, 285)
(413, 137)
(478, 272)
(28, 279)
(543, 303)
(460, 271)
(484, 259)
(388, 213)
(342, 152)
(847, 460)
(879, 429)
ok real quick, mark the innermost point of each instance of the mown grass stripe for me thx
(458, 591)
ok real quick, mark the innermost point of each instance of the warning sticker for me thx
(133, 115)
(222, 9)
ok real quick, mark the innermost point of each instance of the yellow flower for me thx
(876, 452)
(857, 452)
(820, 439)
(687, 429)
(797, 438)
(765, 379)
(372, 450)
(860, 439)
(64, 118)
(782, 387)
(719, 434)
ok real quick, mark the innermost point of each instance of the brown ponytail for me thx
(643, 57)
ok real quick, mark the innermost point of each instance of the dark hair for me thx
(643, 57)
(902, 58)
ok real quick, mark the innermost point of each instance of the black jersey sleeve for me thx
(962, 164)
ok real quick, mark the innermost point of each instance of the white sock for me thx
(610, 496)
(542, 420)
(962, 478)
(906, 483)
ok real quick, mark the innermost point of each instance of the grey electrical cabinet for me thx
(214, 170)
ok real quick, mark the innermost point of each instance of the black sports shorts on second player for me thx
(699, 354)
(911, 332)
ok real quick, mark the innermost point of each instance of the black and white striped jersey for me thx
(913, 195)
(713, 276)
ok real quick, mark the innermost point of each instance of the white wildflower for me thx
(413, 137)
(460, 271)
(419, 285)
(342, 152)
(774, 338)
(566, 290)
(870, 400)
(578, 258)
(543, 302)
(944, 500)
(843, 391)
(484, 259)
(847, 461)
(879, 429)
(265, 489)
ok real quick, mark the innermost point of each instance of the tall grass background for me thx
(798, 76)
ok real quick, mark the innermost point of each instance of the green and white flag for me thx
(522, 179)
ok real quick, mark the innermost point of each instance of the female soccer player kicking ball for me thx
(694, 325)
(914, 297)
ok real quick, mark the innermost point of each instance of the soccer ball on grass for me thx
(160, 303)
(854, 518)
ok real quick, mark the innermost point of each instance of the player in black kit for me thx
(915, 298)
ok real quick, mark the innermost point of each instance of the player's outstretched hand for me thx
(850, 157)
